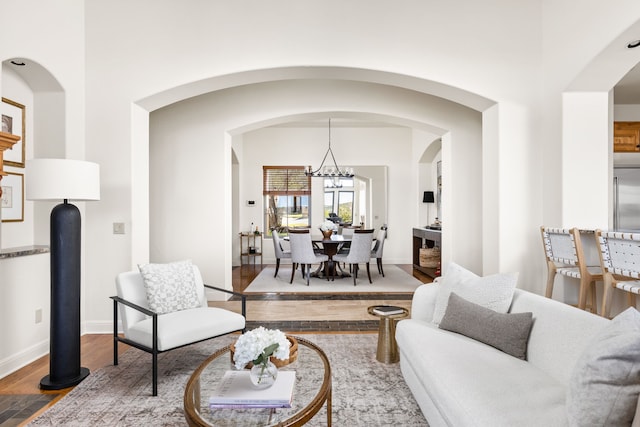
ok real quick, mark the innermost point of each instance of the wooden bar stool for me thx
(565, 256)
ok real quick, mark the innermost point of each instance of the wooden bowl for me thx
(293, 354)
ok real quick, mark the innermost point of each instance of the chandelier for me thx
(329, 171)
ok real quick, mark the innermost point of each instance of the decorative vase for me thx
(264, 374)
(327, 233)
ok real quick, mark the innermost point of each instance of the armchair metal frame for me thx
(154, 350)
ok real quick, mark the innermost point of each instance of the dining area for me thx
(329, 253)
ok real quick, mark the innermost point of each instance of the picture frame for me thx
(12, 199)
(13, 122)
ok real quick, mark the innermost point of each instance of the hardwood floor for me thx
(97, 350)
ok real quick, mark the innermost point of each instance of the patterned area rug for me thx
(365, 392)
(395, 280)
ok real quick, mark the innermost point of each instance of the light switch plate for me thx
(118, 228)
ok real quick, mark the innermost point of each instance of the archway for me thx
(214, 121)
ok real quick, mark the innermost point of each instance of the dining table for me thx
(330, 247)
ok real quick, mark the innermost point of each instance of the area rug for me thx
(395, 280)
(365, 392)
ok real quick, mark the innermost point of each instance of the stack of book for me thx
(387, 310)
(236, 391)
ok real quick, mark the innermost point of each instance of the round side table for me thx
(387, 348)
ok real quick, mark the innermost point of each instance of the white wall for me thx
(23, 340)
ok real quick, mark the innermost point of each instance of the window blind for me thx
(290, 180)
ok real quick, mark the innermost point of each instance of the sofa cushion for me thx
(494, 292)
(170, 287)
(473, 384)
(605, 382)
(508, 332)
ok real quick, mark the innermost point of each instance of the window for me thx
(329, 196)
(287, 193)
(345, 206)
(338, 198)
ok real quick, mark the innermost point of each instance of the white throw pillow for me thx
(605, 381)
(170, 287)
(493, 292)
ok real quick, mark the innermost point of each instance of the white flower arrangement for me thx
(258, 345)
(328, 225)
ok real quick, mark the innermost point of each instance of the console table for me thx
(422, 236)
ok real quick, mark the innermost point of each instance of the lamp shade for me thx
(427, 197)
(59, 179)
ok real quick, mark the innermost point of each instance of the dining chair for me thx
(278, 250)
(359, 252)
(378, 248)
(302, 253)
(344, 247)
(565, 256)
(620, 258)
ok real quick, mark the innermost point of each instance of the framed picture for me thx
(12, 199)
(13, 122)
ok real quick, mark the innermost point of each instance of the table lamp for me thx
(427, 197)
(64, 179)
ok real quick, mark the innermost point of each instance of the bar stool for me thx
(565, 256)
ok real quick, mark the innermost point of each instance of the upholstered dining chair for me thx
(359, 252)
(164, 307)
(343, 249)
(565, 256)
(302, 253)
(620, 258)
(378, 248)
(278, 250)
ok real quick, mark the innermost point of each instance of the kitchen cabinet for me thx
(626, 137)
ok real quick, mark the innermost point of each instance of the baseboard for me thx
(100, 327)
(23, 358)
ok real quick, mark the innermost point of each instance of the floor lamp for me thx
(63, 179)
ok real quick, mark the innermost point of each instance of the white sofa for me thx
(460, 382)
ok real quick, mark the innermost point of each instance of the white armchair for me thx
(152, 325)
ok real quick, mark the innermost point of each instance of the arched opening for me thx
(32, 85)
(215, 125)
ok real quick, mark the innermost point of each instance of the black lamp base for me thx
(64, 342)
(47, 384)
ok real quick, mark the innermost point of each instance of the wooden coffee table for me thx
(312, 389)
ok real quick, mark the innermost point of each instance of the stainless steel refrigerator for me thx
(626, 199)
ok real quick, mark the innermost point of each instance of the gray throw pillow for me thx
(170, 287)
(605, 381)
(508, 332)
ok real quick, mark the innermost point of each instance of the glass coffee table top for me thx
(312, 389)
